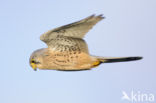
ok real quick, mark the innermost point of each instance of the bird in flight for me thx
(67, 51)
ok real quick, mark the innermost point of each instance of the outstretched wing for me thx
(75, 30)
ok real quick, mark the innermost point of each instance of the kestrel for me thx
(68, 51)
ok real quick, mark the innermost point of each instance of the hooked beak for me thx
(34, 66)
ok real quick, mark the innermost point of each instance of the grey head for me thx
(36, 58)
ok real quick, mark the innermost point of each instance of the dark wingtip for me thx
(101, 16)
(97, 16)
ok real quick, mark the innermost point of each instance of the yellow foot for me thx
(96, 63)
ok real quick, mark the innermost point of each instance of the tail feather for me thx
(120, 59)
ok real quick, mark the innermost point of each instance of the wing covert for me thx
(68, 44)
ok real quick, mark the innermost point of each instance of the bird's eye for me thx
(32, 61)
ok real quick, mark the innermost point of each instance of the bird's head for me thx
(35, 60)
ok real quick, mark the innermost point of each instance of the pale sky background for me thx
(128, 30)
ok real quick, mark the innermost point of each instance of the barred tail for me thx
(120, 59)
